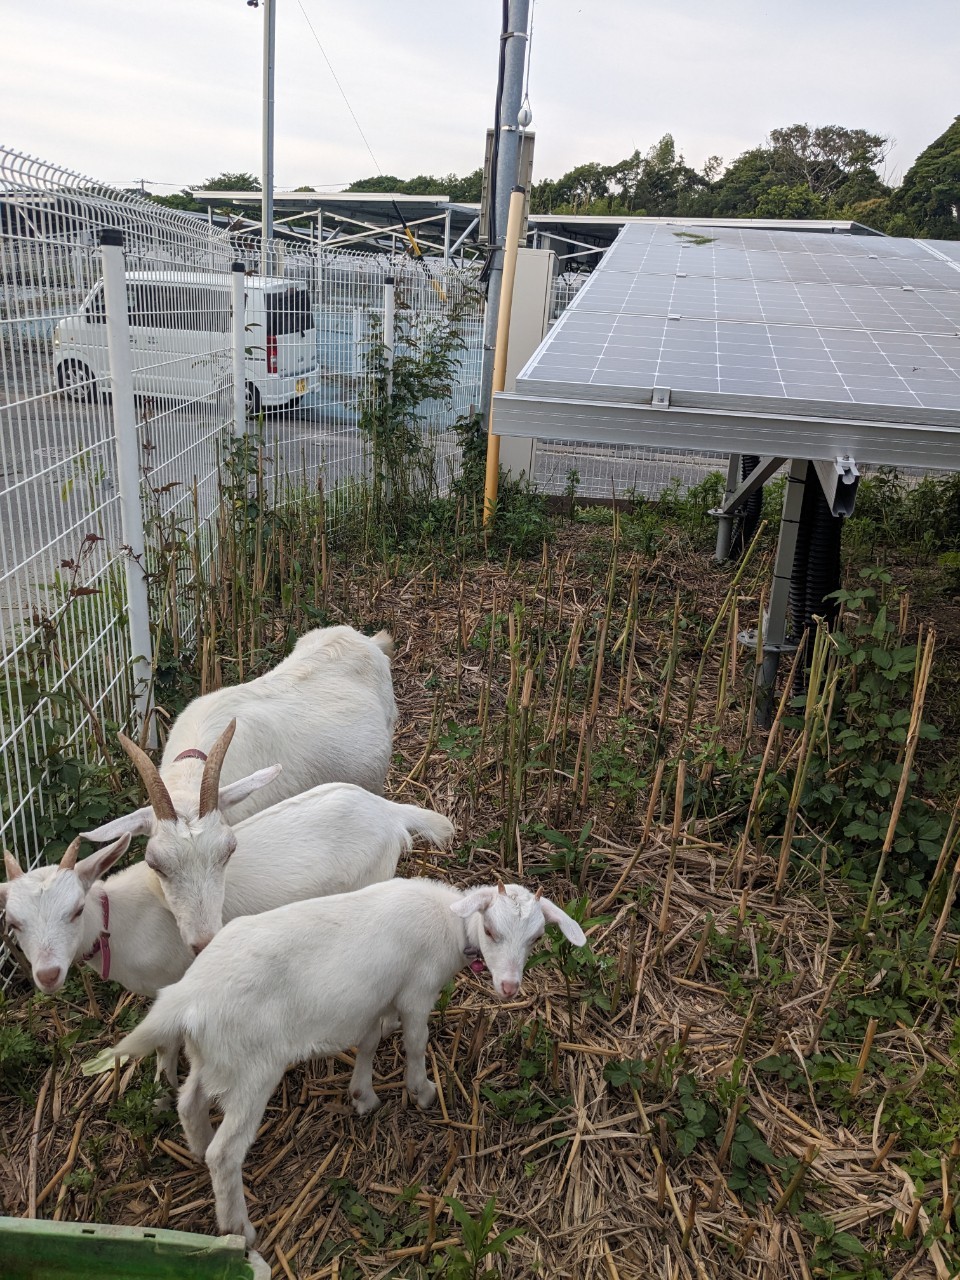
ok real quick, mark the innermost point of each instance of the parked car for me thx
(180, 326)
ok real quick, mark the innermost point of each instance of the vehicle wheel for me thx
(252, 400)
(76, 381)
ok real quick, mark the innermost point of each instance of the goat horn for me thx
(157, 793)
(539, 894)
(69, 859)
(500, 888)
(210, 783)
(14, 869)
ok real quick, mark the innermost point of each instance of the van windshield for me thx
(288, 312)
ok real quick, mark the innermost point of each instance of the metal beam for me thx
(472, 227)
(839, 481)
(758, 476)
(932, 446)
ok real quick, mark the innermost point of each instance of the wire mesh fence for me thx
(310, 329)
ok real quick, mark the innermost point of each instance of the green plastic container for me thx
(31, 1249)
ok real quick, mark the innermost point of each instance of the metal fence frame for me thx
(92, 477)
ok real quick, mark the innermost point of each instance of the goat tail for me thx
(162, 1028)
(434, 827)
(384, 640)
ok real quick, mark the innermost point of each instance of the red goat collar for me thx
(102, 944)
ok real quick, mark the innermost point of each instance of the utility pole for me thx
(269, 55)
(505, 177)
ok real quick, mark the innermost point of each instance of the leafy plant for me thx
(466, 1262)
(853, 777)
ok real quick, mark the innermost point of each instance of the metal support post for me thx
(492, 477)
(446, 236)
(128, 471)
(775, 624)
(506, 178)
(269, 57)
(389, 303)
(724, 516)
(239, 352)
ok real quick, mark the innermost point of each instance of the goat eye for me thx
(14, 926)
(78, 913)
(490, 934)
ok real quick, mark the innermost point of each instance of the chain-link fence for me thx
(74, 543)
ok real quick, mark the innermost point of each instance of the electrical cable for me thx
(414, 247)
(484, 276)
(340, 87)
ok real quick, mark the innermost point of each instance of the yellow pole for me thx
(511, 246)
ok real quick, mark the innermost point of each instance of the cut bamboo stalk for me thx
(864, 1057)
(925, 665)
(790, 1190)
(674, 842)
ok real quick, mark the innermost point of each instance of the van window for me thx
(145, 303)
(288, 312)
(95, 311)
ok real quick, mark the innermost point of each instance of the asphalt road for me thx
(58, 473)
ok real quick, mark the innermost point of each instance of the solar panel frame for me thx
(799, 325)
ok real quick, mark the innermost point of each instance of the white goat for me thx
(324, 714)
(315, 978)
(332, 839)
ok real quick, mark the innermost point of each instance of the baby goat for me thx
(315, 978)
(329, 840)
(324, 714)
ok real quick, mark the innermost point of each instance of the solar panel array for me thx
(801, 324)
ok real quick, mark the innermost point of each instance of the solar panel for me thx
(737, 321)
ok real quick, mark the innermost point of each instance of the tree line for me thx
(799, 172)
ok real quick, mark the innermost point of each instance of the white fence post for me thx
(239, 353)
(388, 341)
(128, 469)
(388, 322)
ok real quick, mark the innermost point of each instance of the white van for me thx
(180, 326)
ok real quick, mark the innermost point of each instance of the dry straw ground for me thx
(546, 707)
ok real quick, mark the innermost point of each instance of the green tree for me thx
(466, 189)
(825, 158)
(781, 201)
(231, 182)
(178, 200)
(928, 201)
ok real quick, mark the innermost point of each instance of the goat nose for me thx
(199, 945)
(510, 988)
(49, 978)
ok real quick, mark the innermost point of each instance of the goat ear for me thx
(14, 869)
(236, 792)
(473, 900)
(566, 924)
(97, 864)
(139, 823)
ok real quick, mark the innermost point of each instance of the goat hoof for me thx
(426, 1097)
(242, 1228)
(364, 1103)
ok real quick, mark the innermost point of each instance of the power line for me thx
(340, 87)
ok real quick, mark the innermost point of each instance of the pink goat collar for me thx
(102, 944)
(194, 753)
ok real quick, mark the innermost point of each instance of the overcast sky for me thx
(171, 92)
